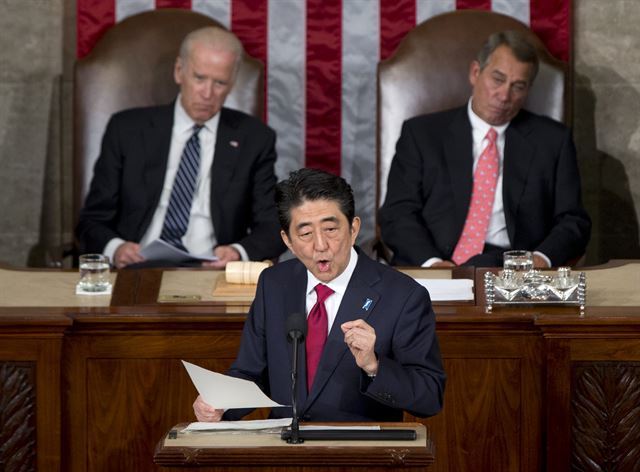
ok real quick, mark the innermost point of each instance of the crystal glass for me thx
(94, 273)
(520, 262)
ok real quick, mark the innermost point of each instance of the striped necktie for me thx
(176, 220)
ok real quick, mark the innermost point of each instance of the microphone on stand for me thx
(296, 330)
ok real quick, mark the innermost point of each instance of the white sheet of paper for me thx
(222, 391)
(162, 250)
(448, 290)
(239, 425)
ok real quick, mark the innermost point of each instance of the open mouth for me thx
(323, 265)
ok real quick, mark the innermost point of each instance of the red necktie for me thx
(471, 240)
(316, 333)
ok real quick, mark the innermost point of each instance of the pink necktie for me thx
(316, 333)
(471, 240)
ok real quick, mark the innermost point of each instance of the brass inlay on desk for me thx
(209, 285)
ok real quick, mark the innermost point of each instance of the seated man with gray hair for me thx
(192, 173)
(469, 183)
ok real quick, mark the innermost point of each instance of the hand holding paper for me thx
(224, 392)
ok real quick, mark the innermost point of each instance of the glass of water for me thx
(94, 273)
(520, 262)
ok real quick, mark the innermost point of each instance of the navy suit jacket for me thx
(430, 182)
(410, 375)
(129, 175)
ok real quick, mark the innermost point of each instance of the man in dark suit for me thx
(381, 353)
(229, 212)
(537, 201)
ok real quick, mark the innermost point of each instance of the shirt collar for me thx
(480, 127)
(183, 123)
(339, 284)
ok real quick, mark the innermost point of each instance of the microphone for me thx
(296, 330)
(296, 326)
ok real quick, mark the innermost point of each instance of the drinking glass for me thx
(519, 261)
(94, 273)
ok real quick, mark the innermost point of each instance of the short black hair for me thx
(309, 185)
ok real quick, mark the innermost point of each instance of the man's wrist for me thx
(372, 370)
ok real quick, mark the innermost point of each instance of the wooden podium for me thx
(251, 450)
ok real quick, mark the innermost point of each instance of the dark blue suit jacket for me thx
(431, 179)
(410, 375)
(129, 175)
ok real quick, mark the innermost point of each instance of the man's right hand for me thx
(127, 253)
(205, 412)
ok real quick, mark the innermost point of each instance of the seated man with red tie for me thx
(469, 183)
(371, 350)
(192, 173)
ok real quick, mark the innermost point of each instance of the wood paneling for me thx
(17, 416)
(30, 359)
(605, 411)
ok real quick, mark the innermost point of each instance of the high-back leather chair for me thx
(132, 66)
(430, 72)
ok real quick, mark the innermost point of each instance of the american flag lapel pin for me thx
(367, 304)
(234, 143)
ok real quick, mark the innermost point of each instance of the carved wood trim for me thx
(605, 407)
(17, 416)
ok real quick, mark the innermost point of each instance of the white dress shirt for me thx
(200, 238)
(339, 287)
(497, 230)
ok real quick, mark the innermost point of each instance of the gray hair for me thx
(519, 45)
(215, 38)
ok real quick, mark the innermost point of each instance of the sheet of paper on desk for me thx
(448, 290)
(224, 392)
(239, 425)
(162, 250)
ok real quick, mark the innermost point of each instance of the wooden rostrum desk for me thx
(530, 388)
(260, 451)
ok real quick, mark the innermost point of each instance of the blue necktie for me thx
(176, 220)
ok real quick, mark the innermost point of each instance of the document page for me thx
(224, 392)
(247, 425)
(448, 290)
(162, 250)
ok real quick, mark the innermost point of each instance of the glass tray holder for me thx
(549, 292)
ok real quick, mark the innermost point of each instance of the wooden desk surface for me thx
(244, 448)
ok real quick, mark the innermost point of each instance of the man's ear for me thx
(474, 72)
(177, 71)
(355, 229)
(286, 240)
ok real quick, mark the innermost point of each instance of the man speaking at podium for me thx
(371, 349)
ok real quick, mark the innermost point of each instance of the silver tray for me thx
(535, 288)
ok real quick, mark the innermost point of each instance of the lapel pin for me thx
(234, 144)
(367, 304)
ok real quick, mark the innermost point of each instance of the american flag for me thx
(321, 58)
